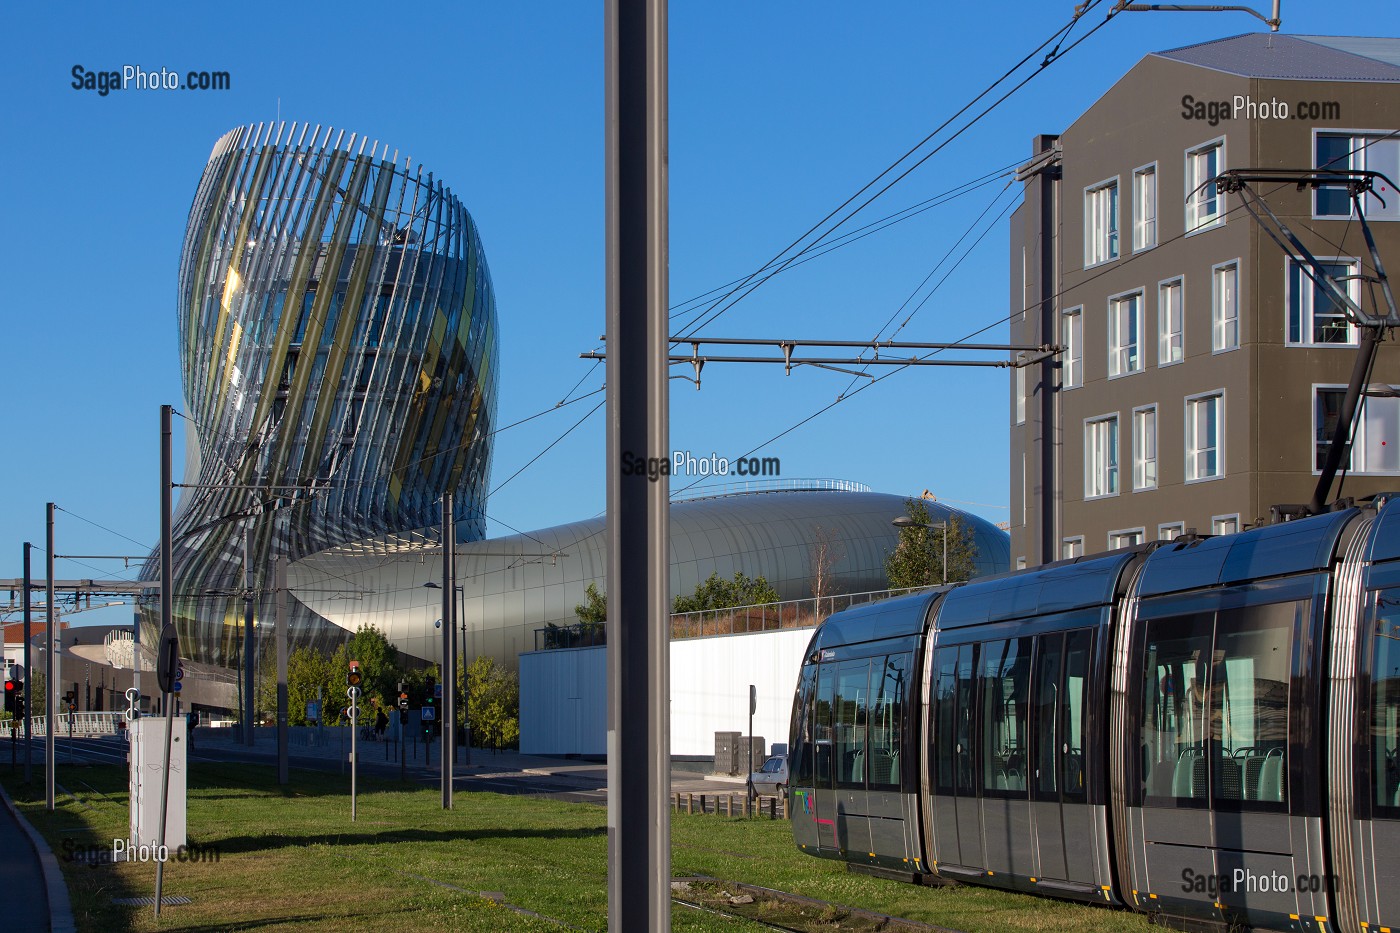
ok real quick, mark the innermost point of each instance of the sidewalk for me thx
(30, 869)
(485, 763)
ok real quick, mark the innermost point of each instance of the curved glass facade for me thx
(338, 347)
(515, 584)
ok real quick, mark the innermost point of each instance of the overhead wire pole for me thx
(448, 678)
(638, 521)
(28, 673)
(51, 643)
(249, 707)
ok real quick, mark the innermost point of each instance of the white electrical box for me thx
(147, 738)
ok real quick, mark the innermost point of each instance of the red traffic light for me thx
(353, 677)
(11, 686)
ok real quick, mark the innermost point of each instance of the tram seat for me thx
(880, 765)
(856, 771)
(1074, 773)
(1189, 778)
(1231, 784)
(1270, 785)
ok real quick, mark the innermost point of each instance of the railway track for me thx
(784, 910)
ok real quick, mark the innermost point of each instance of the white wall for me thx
(563, 693)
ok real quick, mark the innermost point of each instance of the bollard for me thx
(689, 803)
(772, 808)
(729, 806)
(703, 809)
(745, 805)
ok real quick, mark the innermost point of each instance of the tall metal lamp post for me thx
(904, 521)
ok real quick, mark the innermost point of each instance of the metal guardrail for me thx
(89, 723)
(767, 617)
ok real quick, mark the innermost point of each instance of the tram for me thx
(1206, 729)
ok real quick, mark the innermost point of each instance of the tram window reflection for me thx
(1385, 703)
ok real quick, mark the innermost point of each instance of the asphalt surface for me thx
(27, 907)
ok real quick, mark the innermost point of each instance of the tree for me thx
(494, 700)
(824, 554)
(593, 613)
(918, 558)
(716, 593)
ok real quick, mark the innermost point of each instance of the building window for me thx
(1145, 207)
(1375, 437)
(1225, 524)
(1145, 447)
(1128, 537)
(1020, 389)
(1205, 444)
(1072, 547)
(1205, 208)
(1225, 306)
(1125, 334)
(1170, 531)
(1171, 322)
(1101, 223)
(1352, 151)
(1315, 316)
(1072, 330)
(1101, 457)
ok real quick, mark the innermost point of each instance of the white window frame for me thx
(1140, 531)
(1359, 434)
(1119, 354)
(1144, 207)
(1101, 246)
(1374, 212)
(1190, 451)
(1164, 336)
(1217, 520)
(1179, 529)
(1072, 334)
(1112, 464)
(1018, 386)
(1140, 460)
(1221, 322)
(1069, 545)
(1306, 310)
(1195, 201)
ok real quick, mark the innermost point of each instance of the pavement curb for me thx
(60, 908)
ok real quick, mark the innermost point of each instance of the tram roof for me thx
(1080, 583)
(1299, 546)
(887, 618)
(1385, 535)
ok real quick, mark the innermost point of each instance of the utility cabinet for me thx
(147, 738)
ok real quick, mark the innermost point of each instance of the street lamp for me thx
(904, 521)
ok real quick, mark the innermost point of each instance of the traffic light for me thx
(403, 695)
(11, 697)
(352, 677)
(70, 699)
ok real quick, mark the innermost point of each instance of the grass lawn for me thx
(289, 858)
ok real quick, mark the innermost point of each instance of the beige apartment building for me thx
(1202, 371)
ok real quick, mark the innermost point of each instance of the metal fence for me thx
(769, 617)
(82, 723)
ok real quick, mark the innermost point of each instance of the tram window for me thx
(1047, 713)
(1075, 712)
(1249, 703)
(821, 724)
(1006, 669)
(1385, 703)
(886, 719)
(945, 732)
(850, 722)
(803, 744)
(1173, 713)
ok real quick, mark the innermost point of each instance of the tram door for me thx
(1377, 850)
(1064, 819)
(957, 817)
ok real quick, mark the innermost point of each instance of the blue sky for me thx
(779, 112)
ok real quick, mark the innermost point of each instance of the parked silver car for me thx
(772, 778)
